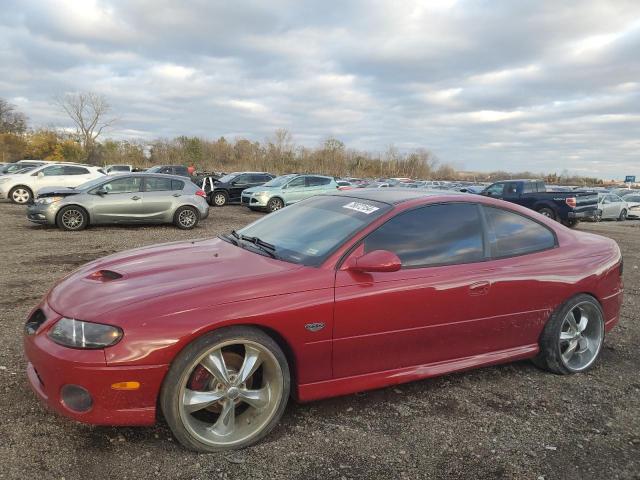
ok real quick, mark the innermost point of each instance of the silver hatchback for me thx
(128, 198)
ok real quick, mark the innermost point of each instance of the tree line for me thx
(91, 115)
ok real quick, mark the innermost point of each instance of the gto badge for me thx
(314, 327)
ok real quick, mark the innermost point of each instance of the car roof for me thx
(395, 196)
(149, 174)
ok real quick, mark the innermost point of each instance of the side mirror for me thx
(376, 261)
(101, 191)
(40, 174)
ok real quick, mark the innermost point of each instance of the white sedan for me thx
(22, 187)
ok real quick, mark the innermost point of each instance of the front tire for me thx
(226, 390)
(186, 218)
(572, 338)
(275, 204)
(72, 218)
(623, 215)
(21, 195)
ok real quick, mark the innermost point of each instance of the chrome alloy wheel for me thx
(581, 336)
(72, 219)
(20, 195)
(187, 218)
(230, 393)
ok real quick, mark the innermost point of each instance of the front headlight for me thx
(78, 334)
(260, 194)
(48, 200)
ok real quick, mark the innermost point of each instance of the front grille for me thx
(36, 319)
(244, 199)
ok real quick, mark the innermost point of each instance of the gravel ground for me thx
(510, 421)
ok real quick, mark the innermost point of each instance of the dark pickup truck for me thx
(566, 207)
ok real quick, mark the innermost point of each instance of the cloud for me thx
(506, 85)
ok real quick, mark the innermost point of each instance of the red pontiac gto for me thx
(330, 296)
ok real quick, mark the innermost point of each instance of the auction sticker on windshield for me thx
(361, 207)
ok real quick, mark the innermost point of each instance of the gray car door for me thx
(120, 200)
(161, 196)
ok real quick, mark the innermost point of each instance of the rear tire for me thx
(186, 218)
(21, 195)
(572, 223)
(547, 212)
(72, 218)
(219, 199)
(573, 336)
(623, 215)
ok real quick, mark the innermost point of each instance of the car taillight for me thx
(201, 193)
(571, 201)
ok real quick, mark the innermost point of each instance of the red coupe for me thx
(333, 295)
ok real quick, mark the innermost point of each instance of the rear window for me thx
(157, 184)
(75, 171)
(512, 234)
(317, 181)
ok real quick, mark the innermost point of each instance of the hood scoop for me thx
(104, 275)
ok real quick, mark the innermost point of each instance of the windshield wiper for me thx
(266, 247)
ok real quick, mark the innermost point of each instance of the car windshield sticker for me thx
(361, 207)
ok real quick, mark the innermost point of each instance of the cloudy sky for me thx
(513, 85)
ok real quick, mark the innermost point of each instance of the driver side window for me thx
(296, 183)
(123, 185)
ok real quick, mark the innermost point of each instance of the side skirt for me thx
(369, 381)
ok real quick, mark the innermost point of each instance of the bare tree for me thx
(11, 121)
(88, 110)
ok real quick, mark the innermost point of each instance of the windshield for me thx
(119, 168)
(309, 231)
(154, 169)
(279, 181)
(227, 178)
(92, 183)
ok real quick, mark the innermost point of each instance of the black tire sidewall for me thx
(170, 390)
(549, 356)
(83, 225)
(176, 217)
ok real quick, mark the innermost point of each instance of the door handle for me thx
(135, 197)
(479, 288)
(176, 194)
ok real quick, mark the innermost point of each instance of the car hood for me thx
(261, 188)
(57, 192)
(220, 270)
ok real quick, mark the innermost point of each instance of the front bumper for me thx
(43, 214)
(51, 366)
(254, 201)
(587, 214)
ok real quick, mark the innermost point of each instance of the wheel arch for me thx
(84, 209)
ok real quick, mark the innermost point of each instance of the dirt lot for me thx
(511, 421)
